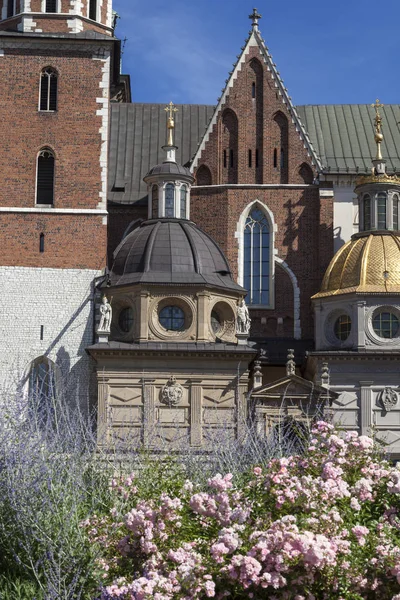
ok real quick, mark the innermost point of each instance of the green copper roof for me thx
(343, 135)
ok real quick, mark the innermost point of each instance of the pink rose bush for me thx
(321, 526)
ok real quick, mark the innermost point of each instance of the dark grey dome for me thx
(171, 251)
(169, 168)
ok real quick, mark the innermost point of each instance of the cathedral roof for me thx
(171, 251)
(368, 263)
(170, 168)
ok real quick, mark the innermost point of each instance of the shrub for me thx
(322, 525)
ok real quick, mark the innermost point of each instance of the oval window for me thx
(386, 324)
(125, 319)
(342, 327)
(172, 318)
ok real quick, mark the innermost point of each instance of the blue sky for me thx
(342, 51)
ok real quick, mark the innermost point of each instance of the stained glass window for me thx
(257, 258)
(172, 318)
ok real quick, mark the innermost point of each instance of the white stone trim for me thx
(58, 7)
(49, 210)
(103, 112)
(296, 297)
(239, 235)
(75, 25)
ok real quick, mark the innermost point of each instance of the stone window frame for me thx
(119, 304)
(90, 5)
(369, 329)
(240, 237)
(45, 75)
(188, 306)
(329, 327)
(226, 314)
(162, 186)
(44, 7)
(40, 154)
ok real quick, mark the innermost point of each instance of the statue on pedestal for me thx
(243, 320)
(105, 316)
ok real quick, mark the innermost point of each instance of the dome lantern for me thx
(378, 193)
(169, 183)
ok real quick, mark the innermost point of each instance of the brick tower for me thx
(57, 61)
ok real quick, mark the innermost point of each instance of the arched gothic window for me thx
(170, 200)
(48, 89)
(395, 212)
(256, 258)
(45, 177)
(367, 212)
(381, 205)
(42, 389)
(183, 201)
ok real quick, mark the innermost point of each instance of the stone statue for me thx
(243, 320)
(105, 315)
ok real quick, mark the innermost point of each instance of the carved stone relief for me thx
(388, 399)
(172, 392)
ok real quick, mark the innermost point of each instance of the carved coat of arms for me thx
(172, 392)
(389, 398)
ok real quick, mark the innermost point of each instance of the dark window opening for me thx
(257, 163)
(282, 158)
(250, 159)
(253, 90)
(225, 159)
(231, 158)
(10, 8)
(41, 242)
(275, 158)
(41, 333)
(51, 6)
(48, 90)
(93, 10)
(45, 177)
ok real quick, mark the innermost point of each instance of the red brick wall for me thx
(72, 131)
(71, 241)
(304, 237)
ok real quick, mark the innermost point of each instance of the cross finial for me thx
(254, 18)
(170, 110)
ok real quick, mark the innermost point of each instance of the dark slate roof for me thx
(343, 135)
(138, 132)
(170, 168)
(171, 251)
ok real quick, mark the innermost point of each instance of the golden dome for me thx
(369, 263)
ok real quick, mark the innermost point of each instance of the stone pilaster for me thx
(102, 412)
(144, 316)
(241, 410)
(196, 397)
(366, 407)
(149, 425)
(202, 316)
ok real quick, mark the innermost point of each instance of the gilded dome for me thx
(369, 263)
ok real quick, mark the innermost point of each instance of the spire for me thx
(170, 146)
(255, 16)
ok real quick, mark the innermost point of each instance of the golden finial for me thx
(170, 110)
(378, 129)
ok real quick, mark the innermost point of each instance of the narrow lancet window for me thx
(51, 6)
(395, 212)
(48, 90)
(275, 158)
(381, 206)
(367, 212)
(170, 200)
(253, 90)
(41, 242)
(256, 267)
(250, 159)
(183, 201)
(93, 10)
(45, 177)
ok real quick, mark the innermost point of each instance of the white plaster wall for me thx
(61, 301)
(345, 214)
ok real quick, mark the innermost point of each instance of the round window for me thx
(386, 324)
(215, 321)
(172, 318)
(342, 327)
(125, 319)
